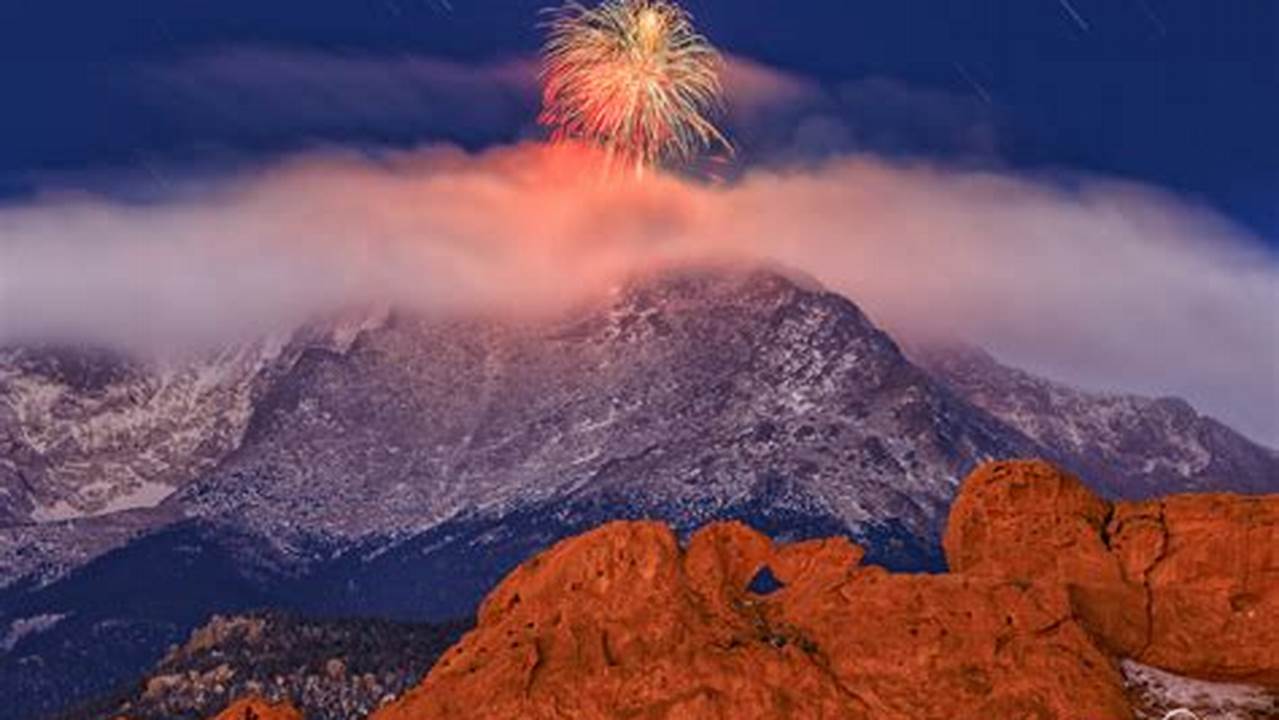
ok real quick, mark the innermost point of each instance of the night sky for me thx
(1182, 94)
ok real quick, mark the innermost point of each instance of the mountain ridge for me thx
(1127, 445)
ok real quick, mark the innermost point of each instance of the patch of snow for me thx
(1162, 695)
(25, 627)
(145, 494)
(61, 510)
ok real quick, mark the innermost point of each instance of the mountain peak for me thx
(684, 392)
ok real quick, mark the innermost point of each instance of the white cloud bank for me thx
(1109, 284)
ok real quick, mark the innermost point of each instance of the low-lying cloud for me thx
(1111, 284)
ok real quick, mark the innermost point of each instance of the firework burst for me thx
(634, 77)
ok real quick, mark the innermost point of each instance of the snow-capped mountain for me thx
(682, 395)
(686, 394)
(87, 433)
(1126, 445)
(350, 468)
(93, 442)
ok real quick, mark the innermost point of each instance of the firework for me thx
(634, 77)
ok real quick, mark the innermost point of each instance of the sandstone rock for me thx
(1189, 583)
(1026, 521)
(605, 626)
(980, 649)
(621, 623)
(1214, 590)
(1050, 586)
(253, 708)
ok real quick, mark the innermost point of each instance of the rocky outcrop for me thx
(1050, 588)
(328, 669)
(1188, 583)
(623, 623)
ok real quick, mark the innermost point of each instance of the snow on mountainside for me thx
(684, 394)
(85, 433)
(88, 435)
(1126, 445)
(36, 555)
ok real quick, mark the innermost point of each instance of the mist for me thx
(1107, 284)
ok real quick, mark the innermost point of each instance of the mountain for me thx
(1126, 445)
(85, 432)
(682, 396)
(92, 442)
(398, 465)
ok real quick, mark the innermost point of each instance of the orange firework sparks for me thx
(634, 77)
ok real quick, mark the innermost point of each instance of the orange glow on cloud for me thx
(1101, 283)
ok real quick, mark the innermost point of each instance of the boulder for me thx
(1187, 583)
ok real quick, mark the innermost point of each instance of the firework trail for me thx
(634, 77)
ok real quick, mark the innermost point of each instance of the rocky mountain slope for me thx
(86, 433)
(93, 442)
(682, 396)
(1050, 587)
(1126, 445)
(360, 463)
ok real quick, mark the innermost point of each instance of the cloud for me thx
(1105, 283)
(183, 123)
(253, 95)
(779, 118)
(254, 98)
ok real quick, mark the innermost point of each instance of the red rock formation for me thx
(253, 708)
(1050, 586)
(621, 623)
(607, 626)
(1189, 583)
(1029, 521)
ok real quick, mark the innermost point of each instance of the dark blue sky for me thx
(1180, 93)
